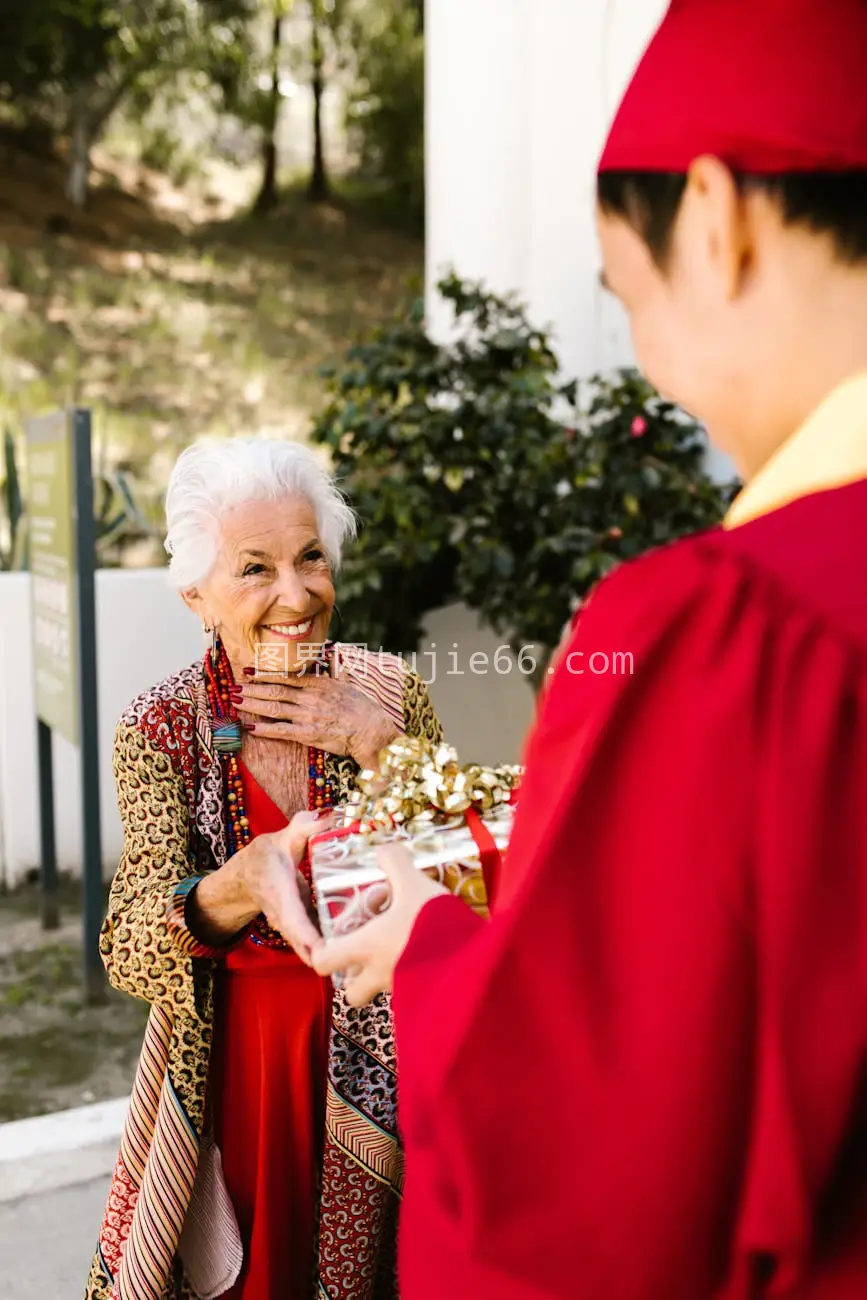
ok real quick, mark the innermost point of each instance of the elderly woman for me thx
(260, 1158)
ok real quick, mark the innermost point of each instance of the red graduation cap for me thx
(767, 86)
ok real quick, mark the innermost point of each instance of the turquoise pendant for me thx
(227, 737)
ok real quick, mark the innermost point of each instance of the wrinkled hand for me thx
(321, 711)
(368, 957)
(275, 885)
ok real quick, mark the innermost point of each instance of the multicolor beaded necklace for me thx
(228, 736)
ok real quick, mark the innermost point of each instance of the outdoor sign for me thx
(51, 502)
(62, 560)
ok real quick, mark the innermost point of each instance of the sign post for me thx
(62, 546)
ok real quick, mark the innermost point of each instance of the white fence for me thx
(144, 633)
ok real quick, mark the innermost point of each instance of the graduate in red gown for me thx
(645, 1078)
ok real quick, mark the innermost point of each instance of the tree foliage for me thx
(480, 476)
(71, 64)
(385, 112)
(74, 62)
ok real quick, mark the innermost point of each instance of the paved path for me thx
(46, 1242)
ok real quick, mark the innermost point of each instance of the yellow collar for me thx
(828, 451)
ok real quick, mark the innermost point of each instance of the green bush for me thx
(162, 150)
(480, 476)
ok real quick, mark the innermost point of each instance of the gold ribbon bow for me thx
(418, 782)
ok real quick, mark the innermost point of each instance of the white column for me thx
(519, 96)
(565, 74)
(476, 142)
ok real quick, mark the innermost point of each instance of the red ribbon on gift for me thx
(490, 857)
(337, 833)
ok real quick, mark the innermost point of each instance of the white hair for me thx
(210, 477)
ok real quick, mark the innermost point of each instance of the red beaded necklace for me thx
(228, 737)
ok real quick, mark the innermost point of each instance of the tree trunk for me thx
(319, 187)
(80, 144)
(267, 196)
(91, 106)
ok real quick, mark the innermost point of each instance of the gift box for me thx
(456, 820)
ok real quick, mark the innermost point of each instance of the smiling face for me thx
(271, 584)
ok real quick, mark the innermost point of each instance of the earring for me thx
(215, 641)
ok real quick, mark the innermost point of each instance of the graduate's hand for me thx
(368, 957)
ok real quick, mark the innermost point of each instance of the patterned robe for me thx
(170, 794)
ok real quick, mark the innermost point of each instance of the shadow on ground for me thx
(55, 1052)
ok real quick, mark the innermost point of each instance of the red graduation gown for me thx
(645, 1078)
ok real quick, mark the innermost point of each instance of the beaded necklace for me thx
(228, 736)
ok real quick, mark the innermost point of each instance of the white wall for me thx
(520, 94)
(486, 705)
(519, 97)
(144, 633)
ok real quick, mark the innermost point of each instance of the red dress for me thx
(272, 1020)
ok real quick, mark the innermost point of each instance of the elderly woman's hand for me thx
(321, 711)
(262, 878)
(277, 888)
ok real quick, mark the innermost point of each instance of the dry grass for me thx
(172, 318)
(55, 1052)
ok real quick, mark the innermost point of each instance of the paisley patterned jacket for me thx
(170, 794)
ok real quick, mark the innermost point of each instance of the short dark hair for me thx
(828, 203)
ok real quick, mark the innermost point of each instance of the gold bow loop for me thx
(419, 782)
